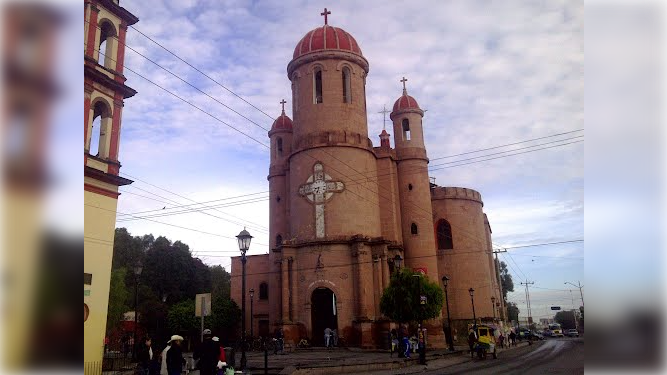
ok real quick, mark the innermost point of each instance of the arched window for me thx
(347, 92)
(317, 83)
(406, 129)
(413, 229)
(295, 93)
(99, 130)
(279, 239)
(279, 145)
(263, 291)
(105, 55)
(444, 232)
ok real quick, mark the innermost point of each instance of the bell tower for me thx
(330, 146)
(105, 26)
(414, 185)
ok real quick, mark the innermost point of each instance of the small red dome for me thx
(405, 102)
(282, 122)
(326, 37)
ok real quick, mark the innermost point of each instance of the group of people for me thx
(330, 337)
(403, 344)
(500, 340)
(210, 354)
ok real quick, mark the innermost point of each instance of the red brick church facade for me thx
(343, 211)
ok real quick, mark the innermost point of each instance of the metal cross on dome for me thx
(283, 103)
(318, 189)
(325, 14)
(404, 80)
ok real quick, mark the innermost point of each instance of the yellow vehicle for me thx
(486, 340)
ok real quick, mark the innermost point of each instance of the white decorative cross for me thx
(318, 189)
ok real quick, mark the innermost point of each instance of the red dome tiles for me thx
(405, 102)
(326, 38)
(282, 122)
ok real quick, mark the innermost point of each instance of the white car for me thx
(572, 333)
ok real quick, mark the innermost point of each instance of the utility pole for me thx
(500, 285)
(578, 285)
(530, 316)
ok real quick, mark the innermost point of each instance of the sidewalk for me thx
(323, 361)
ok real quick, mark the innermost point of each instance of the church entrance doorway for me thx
(323, 314)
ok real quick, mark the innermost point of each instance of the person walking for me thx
(334, 337)
(327, 336)
(512, 338)
(175, 360)
(208, 354)
(222, 358)
(472, 341)
(144, 356)
(501, 340)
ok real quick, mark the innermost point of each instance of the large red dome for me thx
(326, 37)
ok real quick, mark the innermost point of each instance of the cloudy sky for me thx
(488, 73)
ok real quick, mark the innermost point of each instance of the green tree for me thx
(400, 300)
(512, 311)
(127, 250)
(220, 282)
(505, 280)
(181, 317)
(567, 319)
(118, 296)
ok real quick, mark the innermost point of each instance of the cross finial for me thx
(404, 90)
(384, 112)
(283, 103)
(325, 13)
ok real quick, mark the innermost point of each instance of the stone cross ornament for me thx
(318, 189)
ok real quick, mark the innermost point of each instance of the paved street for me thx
(552, 356)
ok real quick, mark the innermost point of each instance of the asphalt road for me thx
(551, 356)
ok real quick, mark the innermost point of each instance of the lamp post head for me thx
(397, 261)
(493, 300)
(244, 241)
(252, 292)
(471, 291)
(137, 269)
(445, 279)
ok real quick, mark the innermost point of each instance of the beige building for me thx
(104, 93)
(343, 211)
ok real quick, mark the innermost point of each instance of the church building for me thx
(345, 214)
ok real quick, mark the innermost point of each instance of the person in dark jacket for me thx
(144, 356)
(175, 360)
(208, 354)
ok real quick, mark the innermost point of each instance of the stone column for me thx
(385, 271)
(285, 290)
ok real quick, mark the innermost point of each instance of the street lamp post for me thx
(252, 294)
(420, 333)
(137, 273)
(474, 317)
(493, 307)
(244, 244)
(450, 341)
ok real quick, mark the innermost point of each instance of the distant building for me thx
(104, 93)
(345, 214)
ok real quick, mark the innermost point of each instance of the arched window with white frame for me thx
(99, 130)
(105, 50)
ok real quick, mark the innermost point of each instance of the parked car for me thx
(572, 333)
(536, 336)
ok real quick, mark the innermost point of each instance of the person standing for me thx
(334, 337)
(208, 354)
(144, 356)
(512, 338)
(393, 337)
(163, 356)
(175, 360)
(278, 335)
